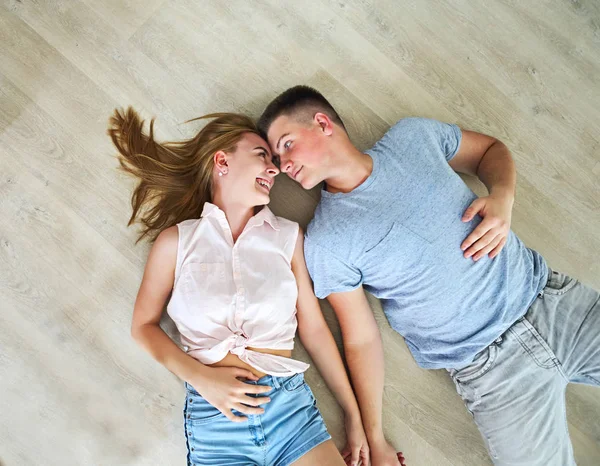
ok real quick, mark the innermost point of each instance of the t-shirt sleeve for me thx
(445, 136)
(328, 272)
(448, 136)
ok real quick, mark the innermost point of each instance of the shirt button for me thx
(241, 291)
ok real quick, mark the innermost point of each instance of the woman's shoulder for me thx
(187, 226)
(286, 222)
(189, 223)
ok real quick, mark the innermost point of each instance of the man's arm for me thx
(491, 161)
(364, 354)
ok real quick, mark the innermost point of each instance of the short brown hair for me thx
(301, 101)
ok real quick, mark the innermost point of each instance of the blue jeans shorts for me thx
(290, 426)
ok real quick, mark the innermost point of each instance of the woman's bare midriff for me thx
(231, 360)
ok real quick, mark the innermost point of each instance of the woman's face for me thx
(248, 173)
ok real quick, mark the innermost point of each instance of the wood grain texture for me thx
(74, 388)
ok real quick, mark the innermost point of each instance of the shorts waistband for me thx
(268, 380)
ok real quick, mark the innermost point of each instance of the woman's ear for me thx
(220, 159)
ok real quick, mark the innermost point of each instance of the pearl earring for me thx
(220, 173)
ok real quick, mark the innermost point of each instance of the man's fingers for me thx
(498, 248)
(401, 458)
(472, 210)
(477, 233)
(481, 243)
(486, 250)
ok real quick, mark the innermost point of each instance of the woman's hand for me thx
(221, 387)
(383, 454)
(357, 448)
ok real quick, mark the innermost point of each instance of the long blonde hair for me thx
(175, 178)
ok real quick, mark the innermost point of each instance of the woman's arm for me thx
(318, 341)
(157, 283)
(219, 386)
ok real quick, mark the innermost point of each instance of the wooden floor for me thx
(74, 388)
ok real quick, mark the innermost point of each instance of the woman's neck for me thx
(237, 215)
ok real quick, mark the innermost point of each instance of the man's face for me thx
(300, 148)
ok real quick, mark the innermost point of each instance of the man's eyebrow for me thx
(279, 140)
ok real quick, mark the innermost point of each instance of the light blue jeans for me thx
(290, 426)
(515, 388)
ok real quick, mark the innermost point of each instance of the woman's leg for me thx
(324, 454)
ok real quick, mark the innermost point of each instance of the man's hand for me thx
(489, 237)
(383, 454)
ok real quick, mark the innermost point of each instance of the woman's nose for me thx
(273, 170)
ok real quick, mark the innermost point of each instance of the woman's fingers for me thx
(242, 408)
(253, 401)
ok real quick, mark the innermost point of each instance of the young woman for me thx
(239, 288)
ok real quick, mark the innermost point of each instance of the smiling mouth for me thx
(297, 171)
(264, 184)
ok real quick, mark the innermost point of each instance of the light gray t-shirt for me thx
(399, 234)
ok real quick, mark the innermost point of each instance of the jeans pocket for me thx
(559, 283)
(200, 411)
(294, 383)
(483, 362)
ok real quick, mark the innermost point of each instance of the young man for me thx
(453, 279)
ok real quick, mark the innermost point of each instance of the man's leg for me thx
(515, 390)
(568, 317)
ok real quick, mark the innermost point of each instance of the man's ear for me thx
(324, 123)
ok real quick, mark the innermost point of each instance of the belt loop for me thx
(273, 382)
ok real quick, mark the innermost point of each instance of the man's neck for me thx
(352, 168)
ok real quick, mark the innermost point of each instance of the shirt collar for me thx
(265, 215)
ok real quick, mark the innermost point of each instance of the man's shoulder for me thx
(410, 125)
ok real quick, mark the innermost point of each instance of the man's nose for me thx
(286, 166)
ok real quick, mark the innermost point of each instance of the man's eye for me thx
(287, 145)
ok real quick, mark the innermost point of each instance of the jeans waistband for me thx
(268, 380)
(273, 381)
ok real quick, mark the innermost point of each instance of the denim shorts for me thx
(290, 426)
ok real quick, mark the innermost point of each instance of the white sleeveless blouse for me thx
(229, 296)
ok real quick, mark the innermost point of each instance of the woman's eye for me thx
(287, 145)
(262, 154)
